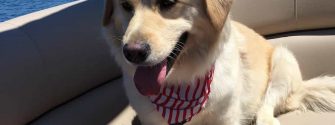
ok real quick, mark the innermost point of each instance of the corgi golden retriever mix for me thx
(186, 62)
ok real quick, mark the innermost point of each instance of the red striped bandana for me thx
(179, 104)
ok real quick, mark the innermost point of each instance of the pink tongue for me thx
(148, 80)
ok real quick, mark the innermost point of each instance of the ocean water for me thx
(13, 8)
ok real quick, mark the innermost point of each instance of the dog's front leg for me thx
(229, 114)
(233, 114)
(285, 77)
(265, 116)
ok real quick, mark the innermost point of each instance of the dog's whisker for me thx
(178, 49)
(117, 38)
(174, 54)
(181, 43)
(179, 46)
(171, 57)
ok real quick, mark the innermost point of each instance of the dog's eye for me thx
(166, 4)
(127, 6)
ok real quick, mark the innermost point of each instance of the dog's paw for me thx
(267, 121)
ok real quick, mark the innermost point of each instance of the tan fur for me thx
(253, 80)
(218, 11)
(256, 55)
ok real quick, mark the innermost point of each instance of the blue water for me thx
(13, 8)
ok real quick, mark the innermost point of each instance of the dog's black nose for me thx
(136, 52)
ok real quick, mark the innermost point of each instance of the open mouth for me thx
(149, 79)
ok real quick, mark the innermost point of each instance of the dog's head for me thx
(174, 39)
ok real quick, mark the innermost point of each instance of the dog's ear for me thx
(108, 12)
(218, 10)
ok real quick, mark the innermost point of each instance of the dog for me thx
(187, 62)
